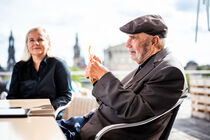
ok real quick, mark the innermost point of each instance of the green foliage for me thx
(204, 67)
(77, 78)
(206, 75)
(5, 77)
(188, 80)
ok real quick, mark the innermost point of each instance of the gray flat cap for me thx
(150, 24)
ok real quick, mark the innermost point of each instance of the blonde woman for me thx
(39, 74)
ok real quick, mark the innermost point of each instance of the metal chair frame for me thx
(127, 125)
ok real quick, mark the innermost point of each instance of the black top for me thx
(53, 81)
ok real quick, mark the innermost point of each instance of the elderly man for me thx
(152, 88)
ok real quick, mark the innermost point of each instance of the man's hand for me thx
(95, 70)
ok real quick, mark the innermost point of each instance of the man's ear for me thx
(155, 40)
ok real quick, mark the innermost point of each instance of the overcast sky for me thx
(97, 23)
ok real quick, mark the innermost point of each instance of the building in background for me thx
(79, 61)
(11, 54)
(117, 58)
(191, 65)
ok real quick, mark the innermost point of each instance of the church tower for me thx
(11, 53)
(76, 48)
(78, 60)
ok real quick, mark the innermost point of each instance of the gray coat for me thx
(153, 90)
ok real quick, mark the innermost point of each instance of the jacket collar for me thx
(150, 65)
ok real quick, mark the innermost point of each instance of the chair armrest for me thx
(126, 125)
(3, 95)
(59, 109)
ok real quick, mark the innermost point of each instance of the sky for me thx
(97, 23)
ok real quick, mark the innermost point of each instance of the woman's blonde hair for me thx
(27, 55)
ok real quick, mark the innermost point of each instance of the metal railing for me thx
(121, 72)
(197, 71)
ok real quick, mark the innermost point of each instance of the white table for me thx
(38, 126)
(39, 107)
(31, 128)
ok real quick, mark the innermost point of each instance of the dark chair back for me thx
(168, 128)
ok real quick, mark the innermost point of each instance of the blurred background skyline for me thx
(97, 24)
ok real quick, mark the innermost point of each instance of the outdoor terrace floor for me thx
(187, 127)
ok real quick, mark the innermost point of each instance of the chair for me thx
(3, 95)
(164, 135)
(59, 110)
(80, 105)
(3, 89)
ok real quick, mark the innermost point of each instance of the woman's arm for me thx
(63, 85)
(14, 83)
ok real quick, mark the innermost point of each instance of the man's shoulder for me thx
(165, 57)
(171, 60)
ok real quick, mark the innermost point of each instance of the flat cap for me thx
(149, 24)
